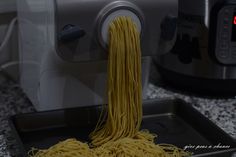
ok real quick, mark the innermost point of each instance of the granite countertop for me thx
(13, 101)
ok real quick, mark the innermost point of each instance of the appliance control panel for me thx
(226, 35)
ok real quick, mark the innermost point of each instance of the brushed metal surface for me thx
(89, 14)
(194, 22)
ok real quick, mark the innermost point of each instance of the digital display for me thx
(234, 20)
(234, 27)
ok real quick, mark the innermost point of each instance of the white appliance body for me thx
(55, 75)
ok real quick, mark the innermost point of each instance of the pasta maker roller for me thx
(63, 46)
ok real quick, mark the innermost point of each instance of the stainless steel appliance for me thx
(204, 56)
(63, 46)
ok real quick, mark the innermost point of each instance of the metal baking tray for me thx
(174, 121)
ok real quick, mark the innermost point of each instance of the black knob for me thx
(71, 33)
(185, 55)
(168, 28)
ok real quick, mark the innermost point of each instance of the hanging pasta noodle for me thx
(124, 113)
(117, 133)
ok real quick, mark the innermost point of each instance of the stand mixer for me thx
(63, 46)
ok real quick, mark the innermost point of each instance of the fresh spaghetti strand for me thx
(124, 84)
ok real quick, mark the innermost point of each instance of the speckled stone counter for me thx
(13, 101)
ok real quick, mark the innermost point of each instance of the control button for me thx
(224, 45)
(226, 20)
(225, 30)
(223, 54)
(233, 53)
(224, 36)
(226, 12)
(226, 27)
